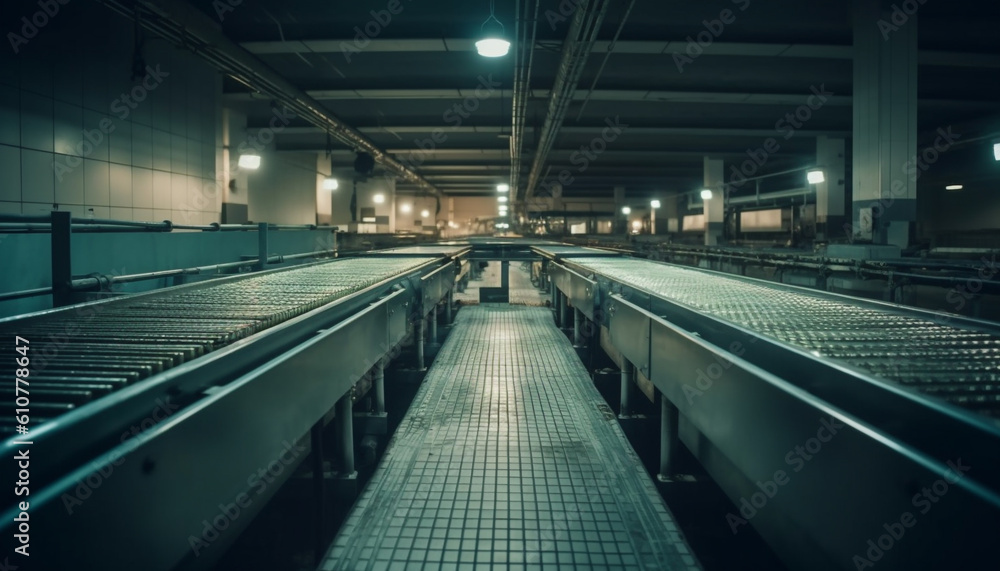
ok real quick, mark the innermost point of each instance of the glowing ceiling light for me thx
(378, 198)
(815, 177)
(330, 183)
(654, 203)
(503, 187)
(706, 194)
(626, 210)
(502, 198)
(249, 161)
(493, 44)
(953, 187)
(425, 213)
(405, 208)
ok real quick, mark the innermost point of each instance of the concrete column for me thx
(830, 217)
(715, 209)
(450, 307)
(669, 219)
(885, 123)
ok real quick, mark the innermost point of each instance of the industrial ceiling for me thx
(680, 80)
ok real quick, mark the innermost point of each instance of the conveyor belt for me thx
(430, 250)
(109, 346)
(961, 366)
(509, 456)
(563, 251)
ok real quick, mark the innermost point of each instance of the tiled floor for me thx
(509, 459)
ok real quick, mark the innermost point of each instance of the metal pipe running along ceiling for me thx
(186, 27)
(576, 49)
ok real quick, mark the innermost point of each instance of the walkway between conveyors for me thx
(509, 458)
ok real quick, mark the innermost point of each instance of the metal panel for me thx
(225, 431)
(583, 293)
(834, 500)
(629, 329)
(435, 285)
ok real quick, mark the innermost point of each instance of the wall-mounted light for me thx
(503, 187)
(654, 203)
(493, 43)
(330, 183)
(706, 194)
(378, 198)
(636, 225)
(425, 213)
(405, 208)
(815, 177)
(953, 187)
(626, 210)
(249, 161)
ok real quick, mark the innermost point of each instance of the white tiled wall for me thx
(157, 163)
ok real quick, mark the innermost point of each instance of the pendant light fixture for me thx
(493, 43)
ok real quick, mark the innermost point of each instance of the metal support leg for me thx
(563, 305)
(449, 308)
(433, 335)
(345, 434)
(421, 325)
(380, 387)
(628, 370)
(669, 440)
(577, 328)
(319, 485)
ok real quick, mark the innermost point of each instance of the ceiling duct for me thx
(579, 42)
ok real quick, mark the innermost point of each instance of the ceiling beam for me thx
(666, 131)
(741, 49)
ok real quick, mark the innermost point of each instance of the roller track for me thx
(960, 366)
(102, 348)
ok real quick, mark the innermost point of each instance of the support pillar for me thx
(449, 309)
(345, 435)
(669, 438)
(715, 207)
(619, 203)
(884, 189)
(628, 371)
(830, 218)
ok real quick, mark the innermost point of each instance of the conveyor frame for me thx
(759, 404)
(307, 364)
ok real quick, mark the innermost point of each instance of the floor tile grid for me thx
(520, 488)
